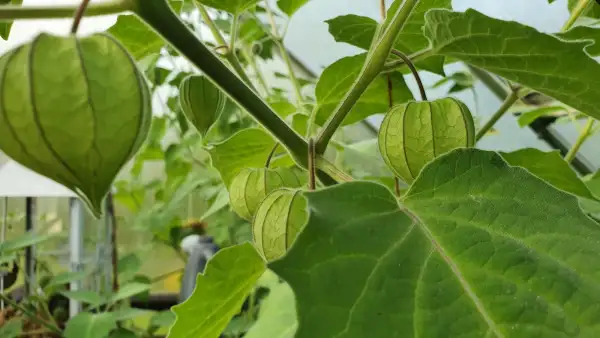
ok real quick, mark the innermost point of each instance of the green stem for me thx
(234, 33)
(285, 55)
(374, 63)
(229, 55)
(583, 136)
(158, 15)
(508, 102)
(259, 75)
(581, 6)
(414, 71)
(13, 12)
(34, 317)
(400, 65)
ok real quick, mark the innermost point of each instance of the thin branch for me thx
(229, 54)
(285, 55)
(271, 154)
(510, 100)
(398, 65)
(312, 180)
(414, 71)
(234, 33)
(79, 15)
(14, 12)
(581, 6)
(34, 317)
(583, 136)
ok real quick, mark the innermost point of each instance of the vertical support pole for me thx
(76, 212)
(30, 273)
(2, 239)
(107, 259)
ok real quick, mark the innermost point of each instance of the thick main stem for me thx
(158, 15)
(374, 63)
(510, 100)
(13, 12)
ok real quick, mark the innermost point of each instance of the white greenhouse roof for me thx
(18, 181)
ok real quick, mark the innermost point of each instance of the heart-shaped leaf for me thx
(478, 248)
(542, 62)
(74, 110)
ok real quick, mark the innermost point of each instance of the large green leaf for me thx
(248, 148)
(550, 167)
(136, 36)
(87, 325)
(478, 249)
(277, 315)
(231, 6)
(559, 69)
(219, 293)
(5, 27)
(290, 7)
(339, 77)
(359, 31)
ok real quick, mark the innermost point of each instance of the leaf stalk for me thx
(583, 136)
(374, 63)
(508, 102)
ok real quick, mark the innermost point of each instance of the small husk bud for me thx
(415, 133)
(278, 220)
(202, 102)
(74, 109)
(251, 185)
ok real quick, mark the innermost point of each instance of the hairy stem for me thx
(581, 6)
(14, 12)
(510, 100)
(414, 71)
(284, 55)
(374, 63)
(229, 54)
(583, 136)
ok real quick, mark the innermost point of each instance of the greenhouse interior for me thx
(299, 168)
